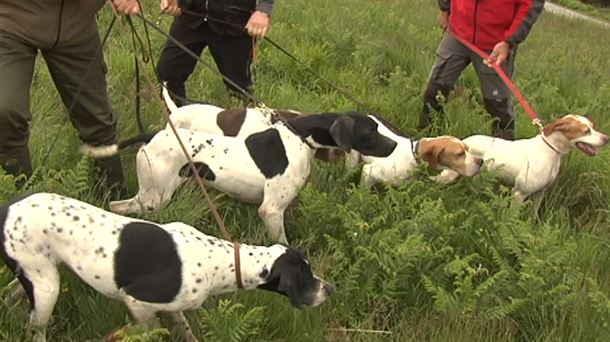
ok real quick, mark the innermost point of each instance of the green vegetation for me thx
(414, 263)
(597, 9)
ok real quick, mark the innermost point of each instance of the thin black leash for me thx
(200, 60)
(339, 89)
(248, 95)
(136, 39)
(79, 90)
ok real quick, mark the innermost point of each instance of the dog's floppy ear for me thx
(554, 126)
(203, 170)
(430, 152)
(342, 131)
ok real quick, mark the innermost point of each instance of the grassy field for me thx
(595, 10)
(420, 262)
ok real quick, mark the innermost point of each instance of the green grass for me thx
(592, 9)
(420, 262)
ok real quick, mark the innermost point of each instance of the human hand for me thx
(258, 24)
(170, 7)
(499, 54)
(443, 20)
(129, 7)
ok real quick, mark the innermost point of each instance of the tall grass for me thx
(416, 262)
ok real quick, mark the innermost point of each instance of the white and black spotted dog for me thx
(266, 168)
(151, 267)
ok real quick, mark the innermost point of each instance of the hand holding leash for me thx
(129, 7)
(258, 25)
(170, 7)
(498, 55)
(132, 7)
(443, 20)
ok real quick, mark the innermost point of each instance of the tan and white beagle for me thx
(531, 165)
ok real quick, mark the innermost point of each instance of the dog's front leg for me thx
(142, 314)
(536, 202)
(367, 178)
(518, 198)
(277, 197)
(273, 217)
(44, 293)
(352, 159)
(183, 326)
(446, 177)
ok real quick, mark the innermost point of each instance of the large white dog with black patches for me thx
(151, 267)
(267, 167)
(441, 153)
(532, 165)
(233, 122)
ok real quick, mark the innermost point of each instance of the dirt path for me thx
(561, 10)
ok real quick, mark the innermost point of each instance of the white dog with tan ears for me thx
(441, 153)
(531, 165)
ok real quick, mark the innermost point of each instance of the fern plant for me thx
(232, 321)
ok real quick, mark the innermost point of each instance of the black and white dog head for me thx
(291, 276)
(357, 131)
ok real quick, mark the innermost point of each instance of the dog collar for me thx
(414, 148)
(240, 285)
(549, 144)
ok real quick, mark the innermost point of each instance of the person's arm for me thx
(527, 14)
(132, 7)
(443, 15)
(265, 6)
(444, 5)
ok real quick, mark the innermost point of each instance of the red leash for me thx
(506, 79)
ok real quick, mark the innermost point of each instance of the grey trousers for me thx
(69, 66)
(452, 58)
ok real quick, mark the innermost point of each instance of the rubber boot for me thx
(239, 99)
(431, 105)
(177, 91)
(18, 163)
(111, 169)
(503, 125)
(505, 134)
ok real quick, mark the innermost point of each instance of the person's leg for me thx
(17, 61)
(497, 97)
(79, 73)
(175, 65)
(233, 57)
(451, 59)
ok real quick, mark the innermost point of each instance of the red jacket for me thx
(488, 22)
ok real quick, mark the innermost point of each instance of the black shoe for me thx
(111, 169)
(504, 134)
(19, 165)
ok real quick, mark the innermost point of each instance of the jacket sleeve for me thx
(265, 6)
(444, 5)
(527, 14)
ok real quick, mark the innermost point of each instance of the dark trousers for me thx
(232, 55)
(68, 66)
(452, 59)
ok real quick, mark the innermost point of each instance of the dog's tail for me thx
(114, 149)
(169, 102)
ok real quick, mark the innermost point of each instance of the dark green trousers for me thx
(70, 65)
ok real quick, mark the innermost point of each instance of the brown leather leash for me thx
(211, 204)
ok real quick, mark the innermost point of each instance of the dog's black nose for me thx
(480, 162)
(328, 288)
